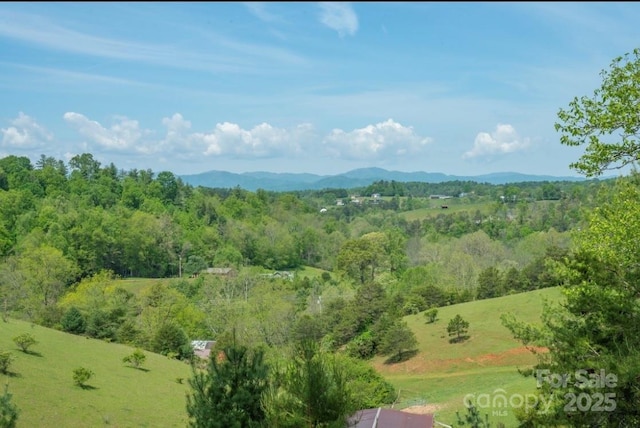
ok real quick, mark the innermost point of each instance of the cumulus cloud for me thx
(123, 135)
(231, 140)
(503, 140)
(377, 141)
(339, 17)
(25, 133)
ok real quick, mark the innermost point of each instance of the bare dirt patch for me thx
(423, 410)
(419, 364)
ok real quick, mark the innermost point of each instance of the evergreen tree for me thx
(8, 410)
(457, 327)
(73, 321)
(228, 394)
(311, 391)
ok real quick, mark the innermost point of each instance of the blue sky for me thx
(458, 88)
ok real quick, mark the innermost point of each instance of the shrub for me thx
(6, 358)
(136, 359)
(431, 315)
(25, 341)
(81, 376)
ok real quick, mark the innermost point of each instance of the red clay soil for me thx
(515, 356)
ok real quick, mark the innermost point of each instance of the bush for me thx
(25, 341)
(136, 359)
(6, 358)
(431, 315)
(81, 376)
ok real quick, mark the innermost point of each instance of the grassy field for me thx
(118, 395)
(439, 377)
(436, 379)
(136, 285)
(454, 206)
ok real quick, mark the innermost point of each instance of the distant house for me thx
(284, 274)
(389, 418)
(220, 271)
(202, 348)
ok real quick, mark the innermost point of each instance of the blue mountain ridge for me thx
(361, 177)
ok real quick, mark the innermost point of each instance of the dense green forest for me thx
(67, 228)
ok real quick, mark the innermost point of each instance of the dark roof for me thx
(389, 418)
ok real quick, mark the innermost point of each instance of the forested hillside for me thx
(69, 229)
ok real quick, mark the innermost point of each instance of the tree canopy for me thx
(608, 122)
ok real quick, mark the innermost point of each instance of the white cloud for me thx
(259, 9)
(231, 140)
(339, 17)
(377, 141)
(503, 140)
(25, 132)
(228, 55)
(124, 135)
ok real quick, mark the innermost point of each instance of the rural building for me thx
(389, 418)
(220, 271)
(202, 348)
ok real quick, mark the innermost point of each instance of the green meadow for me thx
(441, 374)
(436, 379)
(117, 395)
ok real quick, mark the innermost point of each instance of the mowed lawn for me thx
(438, 378)
(118, 395)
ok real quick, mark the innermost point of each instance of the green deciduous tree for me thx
(228, 393)
(25, 341)
(597, 328)
(47, 273)
(608, 122)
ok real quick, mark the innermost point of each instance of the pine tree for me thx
(8, 411)
(228, 393)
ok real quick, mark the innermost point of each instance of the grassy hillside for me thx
(119, 395)
(439, 377)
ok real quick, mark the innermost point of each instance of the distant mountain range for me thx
(362, 177)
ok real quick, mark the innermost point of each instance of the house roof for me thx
(219, 271)
(389, 418)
